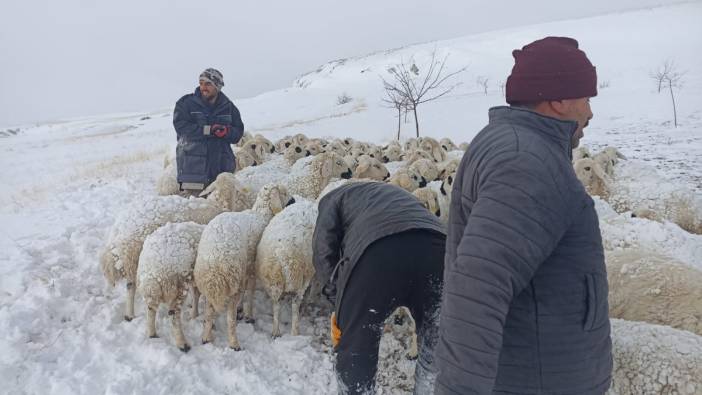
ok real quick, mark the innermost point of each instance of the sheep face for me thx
(426, 168)
(447, 145)
(433, 147)
(283, 144)
(300, 139)
(580, 153)
(593, 178)
(411, 144)
(312, 148)
(336, 146)
(428, 199)
(375, 152)
(392, 153)
(265, 143)
(371, 168)
(228, 193)
(272, 198)
(333, 165)
(412, 156)
(407, 180)
(293, 153)
(244, 159)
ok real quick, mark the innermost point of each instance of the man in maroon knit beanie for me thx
(524, 305)
(553, 77)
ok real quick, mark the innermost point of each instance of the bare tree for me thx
(668, 75)
(502, 87)
(399, 103)
(483, 82)
(415, 87)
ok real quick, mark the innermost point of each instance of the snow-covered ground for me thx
(64, 183)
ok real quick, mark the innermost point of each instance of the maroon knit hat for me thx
(552, 68)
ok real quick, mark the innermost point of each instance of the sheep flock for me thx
(248, 236)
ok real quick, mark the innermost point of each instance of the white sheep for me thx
(300, 139)
(312, 148)
(224, 268)
(166, 272)
(443, 195)
(580, 153)
(267, 145)
(282, 144)
(308, 176)
(414, 155)
(167, 182)
(119, 258)
(228, 193)
(448, 167)
(245, 137)
(407, 179)
(274, 171)
(336, 146)
(370, 168)
(284, 259)
(392, 153)
(375, 152)
(425, 168)
(644, 286)
(654, 359)
(447, 144)
(433, 147)
(293, 153)
(257, 150)
(428, 197)
(411, 144)
(638, 186)
(243, 158)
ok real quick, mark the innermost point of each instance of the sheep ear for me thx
(362, 167)
(601, 174)
(620, 155)
(327, 168)
(210, 188)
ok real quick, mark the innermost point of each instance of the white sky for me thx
(72, 58)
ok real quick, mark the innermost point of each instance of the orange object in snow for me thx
(335, 331)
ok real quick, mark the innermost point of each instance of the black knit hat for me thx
(213, 76)
(552, 68)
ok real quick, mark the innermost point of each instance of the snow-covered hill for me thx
(64, 183)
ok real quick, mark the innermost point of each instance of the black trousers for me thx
(405, 269)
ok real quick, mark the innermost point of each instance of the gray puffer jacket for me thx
(525, 288)
(355, 215)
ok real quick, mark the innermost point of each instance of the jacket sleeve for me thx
(328, 233)
(185, 125)
(237, 125)
(514, 222)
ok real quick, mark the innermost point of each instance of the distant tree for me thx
(415, 88)
(482, 81)
(668, 75)
(502, 87)
(394, 100)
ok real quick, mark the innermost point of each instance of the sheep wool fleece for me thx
(524, 307)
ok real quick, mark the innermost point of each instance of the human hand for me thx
(220, 130)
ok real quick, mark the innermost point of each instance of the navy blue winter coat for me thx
(524, 307)
(200, 157)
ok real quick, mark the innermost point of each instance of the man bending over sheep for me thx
(206, 123)
(524, 308)
(376, 248)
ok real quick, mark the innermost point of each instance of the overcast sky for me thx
(72, 58)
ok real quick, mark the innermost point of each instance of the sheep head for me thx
(426, 168)
(428, 199)
(331, 165)
(369, 167)
(593, 178)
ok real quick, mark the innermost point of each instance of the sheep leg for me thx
(131, 292)
(210, 316)
(249, 296)
(231, 322)
(413, 351)
(176, 324)
(276, 314)
(195, 293)
(296, 302)
(151, 321)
